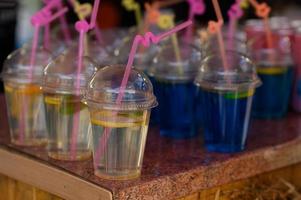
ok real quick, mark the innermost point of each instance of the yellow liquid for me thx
(69, 128)
(123, 148)
(26, 114)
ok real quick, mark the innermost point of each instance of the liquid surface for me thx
(271, 100)
(118, 142)
(26, 114)
(225, 119)
(69, 127)
(176, 108)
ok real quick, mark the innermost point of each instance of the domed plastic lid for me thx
(173, 66)
(17, 66)
(61, 75)
(240, 73)
(104, 88)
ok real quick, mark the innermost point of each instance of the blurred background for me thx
(15, 28)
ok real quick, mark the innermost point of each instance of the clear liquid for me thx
(26, 114)
(122, 151)
(69, 127)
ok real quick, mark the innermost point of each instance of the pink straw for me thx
(82, 27)
(41, 18)
(215, 27)
(47, 36)
(145, 41)
(234, 14)
(58, 4)
(94, 14)
(196, 7)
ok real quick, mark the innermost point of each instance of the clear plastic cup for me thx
(68, 119)
(173, 78)
(224, 97)
(276, 72)
(24, 97)
(119, 131)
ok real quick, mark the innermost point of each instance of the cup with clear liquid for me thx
(24, 97)
(67, 117)
(119, 130)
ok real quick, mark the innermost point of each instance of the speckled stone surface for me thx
(176, 168)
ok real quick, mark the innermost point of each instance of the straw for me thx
(234, 14)
(82, 27)
(131, 5)
(196, 7)
(167, 22)
(41, 18)
(263, 11)
(145, 41)
(215, 27)
(58, 4)
(94, 13)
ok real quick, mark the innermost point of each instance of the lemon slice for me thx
(115, 124)
(52, 100)
(121, 120)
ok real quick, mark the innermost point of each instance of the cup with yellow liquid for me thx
(67, 118)
(24, 98)
(119, 129)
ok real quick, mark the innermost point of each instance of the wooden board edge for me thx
(48, 178)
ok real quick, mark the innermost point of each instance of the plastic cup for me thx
(173, 79)
(68, 119)
(276, 72)
(24, 98)
(224, 97)
(119, 131)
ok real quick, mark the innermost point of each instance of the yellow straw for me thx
(131, 5)
(167, 22)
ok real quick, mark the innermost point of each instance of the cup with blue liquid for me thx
(172, 76)
(275, 69)
(224, 97)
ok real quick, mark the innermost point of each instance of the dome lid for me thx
(17, 66)
(61, 75)
(240, 75)
(103, 90)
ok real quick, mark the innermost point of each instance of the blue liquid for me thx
(225, 119)
(271, 100)
(176, 108)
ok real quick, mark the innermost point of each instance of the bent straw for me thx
(145, 40)
(58, 4)
(215, 27)
(82, 27)
(196, 7)
(131, 5)
(263, 11)
(41, 18)
(234, 13)
(167, 22)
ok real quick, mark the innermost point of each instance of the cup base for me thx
(132, 175)
(67, 156)
(224, 148)
(30, 142)
(176, 134)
